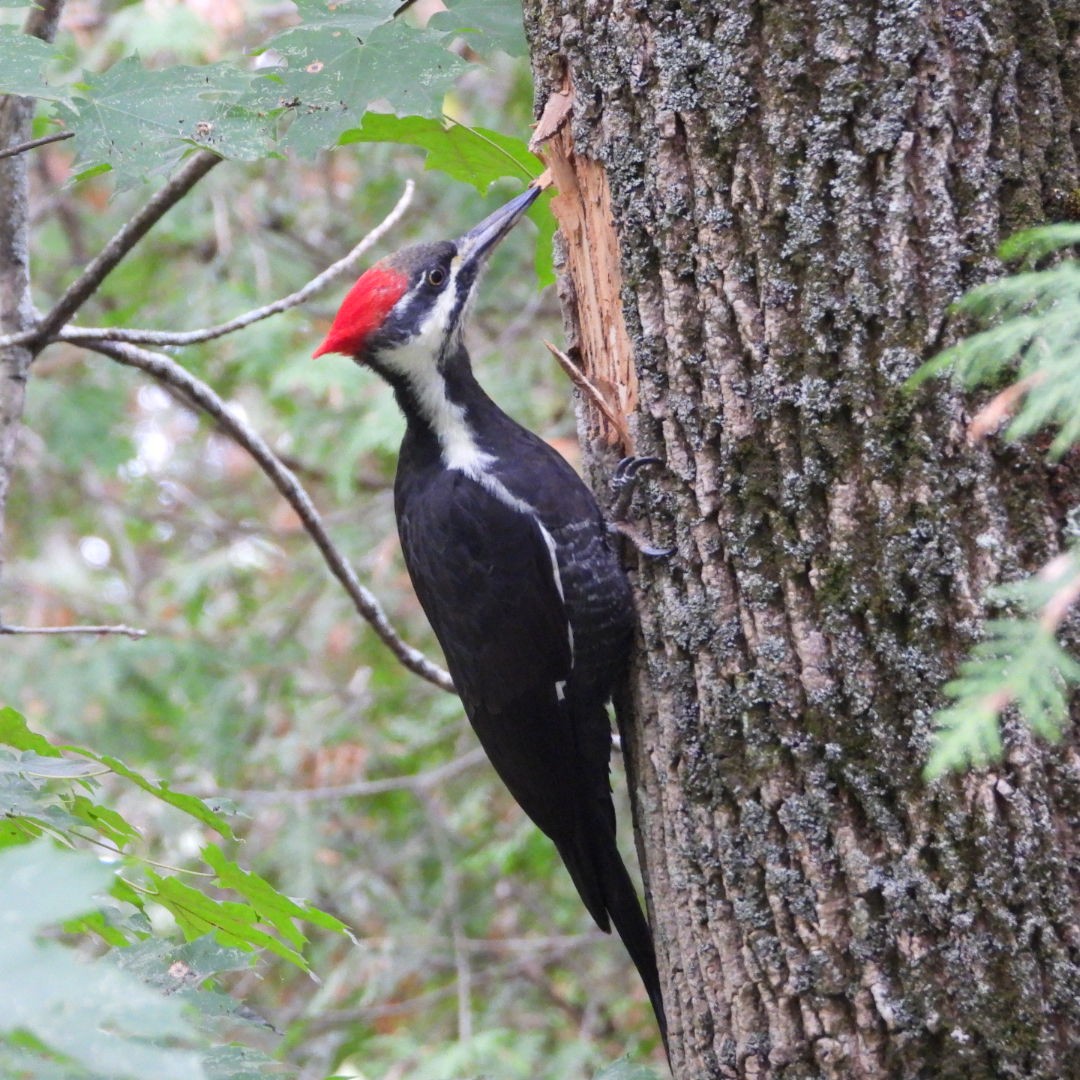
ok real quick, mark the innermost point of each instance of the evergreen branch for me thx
(1019, 663)
(1032, 333)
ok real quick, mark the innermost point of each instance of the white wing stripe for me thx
(550, 541)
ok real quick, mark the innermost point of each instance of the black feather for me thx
(483, 572)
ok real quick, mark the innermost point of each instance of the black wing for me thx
(486, 579)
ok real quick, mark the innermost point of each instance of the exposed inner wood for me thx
(583, 211)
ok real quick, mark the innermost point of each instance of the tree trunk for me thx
(16, 304)
(798, 191)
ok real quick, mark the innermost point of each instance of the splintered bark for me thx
(798, 191)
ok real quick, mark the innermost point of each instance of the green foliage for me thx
(474, 155)
(129, 1001)
(1033, 331)
(1032, 335)
(137, 121)
(487, 25)
(257, 689)
(93, 1015)
(318, 81)
(35, 804)
(23, 62)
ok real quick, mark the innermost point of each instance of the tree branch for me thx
(172, 374)
(86, 284)
(190, 337)
(126, 631)
(33, 144)
(418, 782)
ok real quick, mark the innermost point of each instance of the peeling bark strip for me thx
(591, 287)
(799, 191)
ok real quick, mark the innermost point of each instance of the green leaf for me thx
(273, 907)
(14, 732)
(104, 820)
(162, 964)
(23, 59)
(189, 804)
(239, 1063)
(52, 768)
(476, 156)
(91, 1013)
(358, 17)
(495, 23)
(40, 885)
(331, 79)
(142, 122)
(232, 923)
(1034, 244)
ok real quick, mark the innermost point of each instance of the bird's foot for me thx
(625, 474)
(623, 481)
(640, 540)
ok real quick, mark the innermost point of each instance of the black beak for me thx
(475, 246)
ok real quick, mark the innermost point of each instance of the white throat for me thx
(415, 363)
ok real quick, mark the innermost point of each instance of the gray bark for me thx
(799, 190)
(16, 306)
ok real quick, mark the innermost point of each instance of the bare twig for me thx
(417, 782)
(126, 631)
(208, 333)
(166, 370)
(33, 144)
(84, 286)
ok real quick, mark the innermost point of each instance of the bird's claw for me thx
(640, 541)
(623, 480)
(626, 471)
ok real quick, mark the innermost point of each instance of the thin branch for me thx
(166, 370)
(126, 631)
(417, 782)
(33, 144)
(84, 286)
(191, 337)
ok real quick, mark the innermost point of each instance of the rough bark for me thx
(16, 306)
(798, 192)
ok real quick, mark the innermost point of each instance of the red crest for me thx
(363, 310)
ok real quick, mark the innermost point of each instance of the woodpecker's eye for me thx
(436, 277)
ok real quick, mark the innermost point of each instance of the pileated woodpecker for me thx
(512, 562)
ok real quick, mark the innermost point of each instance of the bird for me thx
(512, 561)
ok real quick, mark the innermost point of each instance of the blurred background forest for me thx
(257, 682)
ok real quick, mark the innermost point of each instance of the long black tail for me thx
(605, 885)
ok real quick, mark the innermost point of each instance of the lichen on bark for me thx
(799, 192)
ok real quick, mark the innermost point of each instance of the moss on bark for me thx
(800, 190)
